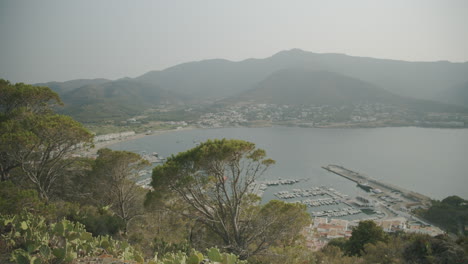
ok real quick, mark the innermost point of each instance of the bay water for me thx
(433, 162)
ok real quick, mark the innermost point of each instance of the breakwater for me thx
(376, 186)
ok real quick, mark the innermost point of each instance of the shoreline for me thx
(104, 144)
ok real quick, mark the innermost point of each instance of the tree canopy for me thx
(114, 177)
(367, 232)
(451, 214)
(35, 99)
(35, 139)
(214, 180)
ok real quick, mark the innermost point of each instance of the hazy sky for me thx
(63, 40)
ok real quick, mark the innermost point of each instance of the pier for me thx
(375, 186)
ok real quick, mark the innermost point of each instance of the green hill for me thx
(64, 87)
(301, 86)
(115, 100)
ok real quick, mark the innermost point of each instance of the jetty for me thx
(378, 187)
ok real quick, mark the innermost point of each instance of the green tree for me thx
(33, 138)
(334, 255)
(433, 250)
(451, 214)
(43, 146)
(114, 177)
(366, 232)
(34, 99)
(15, 101)
(214, 180)
(384, 253)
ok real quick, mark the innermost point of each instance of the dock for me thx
(374, 185)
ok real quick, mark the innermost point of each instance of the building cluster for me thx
(324, 229)
(113, 136)
(364, 114)
(222, 119)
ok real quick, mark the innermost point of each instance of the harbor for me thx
(377, 187)
(321, 201)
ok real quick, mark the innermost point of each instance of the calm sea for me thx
(433, 162)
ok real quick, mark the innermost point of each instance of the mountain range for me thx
(288, 77)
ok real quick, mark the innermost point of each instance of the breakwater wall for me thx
(360, 178)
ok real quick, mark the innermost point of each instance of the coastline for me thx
(104, 144)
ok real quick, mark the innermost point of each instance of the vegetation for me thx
(451, 214)
(214, 180)
(36, 140)
(367, 232)
(56, 207)
(113, 183)
(32, 240)
(114, 100)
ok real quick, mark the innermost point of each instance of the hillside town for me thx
(358, 115)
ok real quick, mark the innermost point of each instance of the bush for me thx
(14, 200)
(29, 239)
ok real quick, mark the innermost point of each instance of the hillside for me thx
(64, 87)
(115, 100)
(457, 94)
(301, 86)
(371, 80)
(221, 78)
(306, 87)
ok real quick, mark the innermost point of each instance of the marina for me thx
(390, 191)
(321, 201)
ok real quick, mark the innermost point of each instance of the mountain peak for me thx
(294, 52)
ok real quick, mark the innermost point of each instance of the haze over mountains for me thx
(288, 77)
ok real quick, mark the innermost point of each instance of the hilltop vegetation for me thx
(115, 100)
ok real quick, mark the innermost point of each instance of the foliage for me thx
(340, 243)
(385, 253)
(162, 247)
(158, 232)
(13, 200)
(114, 177)
(35, 99)
(214, 181)
(98, 221)
(213, 255)
(30, 239)
(295, 254)
(451, 214)
(366, 232)
(425, 249)
(43, 145)
(334, 255)
(15, 101)
(35, 139)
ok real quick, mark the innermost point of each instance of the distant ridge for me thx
(64, 87)
(212, 80)
(221, 78)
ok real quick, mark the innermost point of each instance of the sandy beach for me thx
(104, 144)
